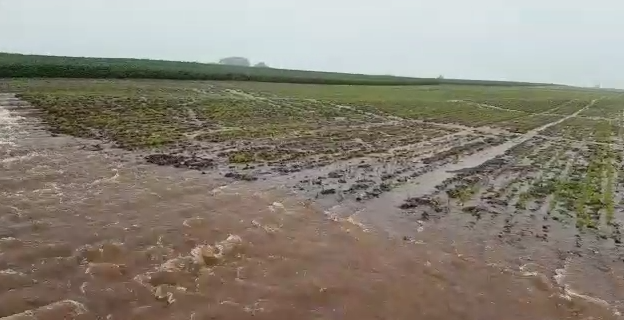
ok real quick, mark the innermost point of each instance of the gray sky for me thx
(562, 41)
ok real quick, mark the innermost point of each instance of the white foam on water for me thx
(12, 272)
(569, 293)
(218, 190)
(277, 207)
(25, 157)
(76, 308)
(559, 278)
(8, 125)
(352, 220)
(6, 142)
(106, 180)
(331, 215)
(7, 118)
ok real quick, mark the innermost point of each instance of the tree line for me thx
(36, 66)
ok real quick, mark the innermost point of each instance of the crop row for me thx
(526, 105)
(610, 108)
(135, 122)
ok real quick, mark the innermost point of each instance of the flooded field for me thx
(193, 200)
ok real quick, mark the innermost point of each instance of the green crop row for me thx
(589, 189)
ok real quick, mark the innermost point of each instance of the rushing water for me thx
(96, 235)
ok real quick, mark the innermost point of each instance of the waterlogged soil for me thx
(93, 232)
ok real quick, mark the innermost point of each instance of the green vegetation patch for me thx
(38, 66)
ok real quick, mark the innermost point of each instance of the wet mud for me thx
(431, 229)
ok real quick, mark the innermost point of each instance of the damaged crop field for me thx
(551, 155)
(529, 178)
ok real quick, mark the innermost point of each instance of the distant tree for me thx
(261, 65)
(235, 61)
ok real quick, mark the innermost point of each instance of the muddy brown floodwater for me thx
(92, 234)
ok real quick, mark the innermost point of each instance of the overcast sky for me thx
(561, 41)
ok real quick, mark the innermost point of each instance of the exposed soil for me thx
(414, 221)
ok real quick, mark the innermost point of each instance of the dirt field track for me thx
(193, 200)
